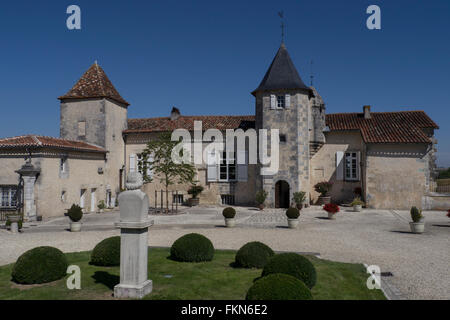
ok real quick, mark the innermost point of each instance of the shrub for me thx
(323, 187)
(292, 213)
(229, 213)
(357, 202)
(261, 196)
(293, 264)
(416, 214)
(75, 213)
(192, 247)
(358, 191)
(299, 197)
(331, 208)
(195, 191)
(253, 255)
(278, 286)
(101, 205)
(40, 265)
(106, 252)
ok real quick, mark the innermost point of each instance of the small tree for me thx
(163, 166)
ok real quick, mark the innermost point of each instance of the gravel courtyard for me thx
(419, 263)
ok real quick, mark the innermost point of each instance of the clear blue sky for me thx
(206, 56)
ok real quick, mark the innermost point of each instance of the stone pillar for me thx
(28, 174)
(133, 224)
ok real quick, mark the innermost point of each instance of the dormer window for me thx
(281, 102)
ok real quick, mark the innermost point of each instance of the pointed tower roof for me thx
(282, 74)
(94, 84)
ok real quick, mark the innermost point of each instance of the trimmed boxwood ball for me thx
(293, 264)
(40, 265)
(278, 286)
(192, 247)
(75, 213)
(292, 213)
(229, 213)
(253, 255)
(106, 252)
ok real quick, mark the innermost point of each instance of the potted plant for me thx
(332, 209)
(14, 222)
(75, 214)
(418, 224)
(299, 198)
(194, 190)
(260, 198)
(323, 188)
(292, 217)
(357, 204)
(101, 206)
(229, 214)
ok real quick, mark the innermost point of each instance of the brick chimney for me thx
(174, 114)
(366, 112)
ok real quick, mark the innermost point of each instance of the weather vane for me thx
(281, 14)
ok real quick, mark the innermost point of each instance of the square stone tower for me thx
(93, 111)
(283, 103)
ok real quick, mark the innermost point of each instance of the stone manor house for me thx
(389, 155)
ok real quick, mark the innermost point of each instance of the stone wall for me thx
(397, 175)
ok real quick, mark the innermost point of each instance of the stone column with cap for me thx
(133, 224)
(29, 173)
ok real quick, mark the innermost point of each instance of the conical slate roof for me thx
(282, 74)
(94, 84)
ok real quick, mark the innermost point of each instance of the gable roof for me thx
(187, 122)
(281, 74)
(94, 84)
(385, 127)
(35, 141)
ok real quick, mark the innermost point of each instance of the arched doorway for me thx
(282, 194)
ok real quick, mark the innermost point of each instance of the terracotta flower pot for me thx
(261, 207)
(299, 206)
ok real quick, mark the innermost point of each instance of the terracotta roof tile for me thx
(49, 142)
(187, 122)
(385, 127)
(94, 84)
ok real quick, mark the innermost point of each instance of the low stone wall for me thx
(436, 201)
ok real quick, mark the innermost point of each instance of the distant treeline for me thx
(444, 174)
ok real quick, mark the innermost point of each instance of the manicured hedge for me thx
(107, 252)
(40, 265)
(229, 213)
(292, 213)
(192, 247)
(253, 255)
(278, 286)
(292, 264)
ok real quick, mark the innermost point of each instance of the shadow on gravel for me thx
(322, 218)
(282, 227)
(441, 225)
(398, 231)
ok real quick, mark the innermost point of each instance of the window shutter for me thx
(273, 101)
(211, 166)
(358, 165)
(149, 170)
(288, 101)
(132, 162)
(340, 165)
(242, 165)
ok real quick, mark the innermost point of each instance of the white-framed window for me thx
(63, 196)
(149, 172)
(63, 165)
(8, 196)
(281, 102)
(351, 166)
(227, 167)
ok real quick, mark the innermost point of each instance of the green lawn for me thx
(206, 280)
